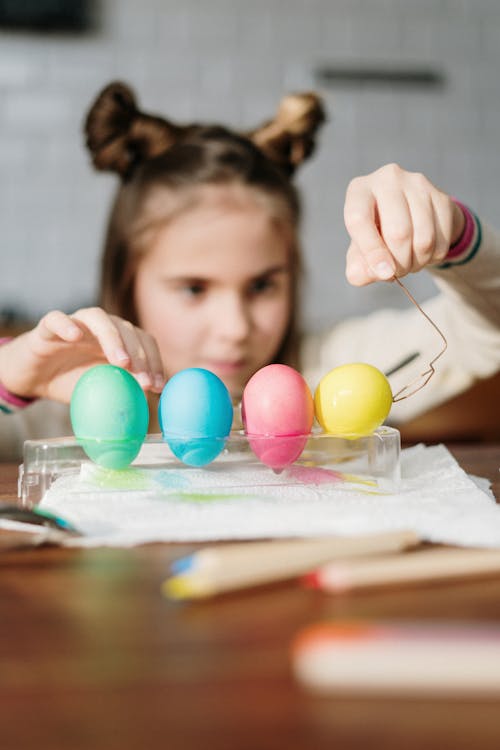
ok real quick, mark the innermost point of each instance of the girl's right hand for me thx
(47, 361)
(399, 223)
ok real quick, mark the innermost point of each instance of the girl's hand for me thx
(47, 361)
(399, 222)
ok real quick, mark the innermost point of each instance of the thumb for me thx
(358, 272)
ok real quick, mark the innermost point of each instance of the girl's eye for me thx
(194, 289)
(261, 285)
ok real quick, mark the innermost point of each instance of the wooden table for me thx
(92, 656)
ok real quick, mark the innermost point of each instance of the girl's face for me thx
(215, 288)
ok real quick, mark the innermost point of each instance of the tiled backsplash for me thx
(232, 60)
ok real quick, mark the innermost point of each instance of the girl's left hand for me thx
(47, 361)
(399, 222)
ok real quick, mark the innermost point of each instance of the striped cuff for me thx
(465, 248)
(9, 402)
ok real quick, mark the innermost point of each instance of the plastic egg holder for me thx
(371, 459)
(109, 412)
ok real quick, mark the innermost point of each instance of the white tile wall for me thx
(232, 60)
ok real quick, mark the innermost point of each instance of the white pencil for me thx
(398, 658)
(222, 568)
(420, 565)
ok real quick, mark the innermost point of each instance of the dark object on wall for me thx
(13, 322)
(73, 16)
(332, 75)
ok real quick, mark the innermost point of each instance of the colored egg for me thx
(109, 415)
(277, 412)
(195, 414)
(352, 400)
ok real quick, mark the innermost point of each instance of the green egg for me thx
(109, 415)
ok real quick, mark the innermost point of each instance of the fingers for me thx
(101, 327)
(424, 234)
(358, 273)
(57, 325)
(432, 215)
(399, 222)
(361, 219)
(121, 343)
(155, 363)
(396, 228)
(144, 357)
(124, 345)
(444, 211)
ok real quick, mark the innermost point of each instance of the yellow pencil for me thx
(228, 567)
(420, 565)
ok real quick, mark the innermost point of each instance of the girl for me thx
(201, 268)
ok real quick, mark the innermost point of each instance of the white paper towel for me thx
(436, 498)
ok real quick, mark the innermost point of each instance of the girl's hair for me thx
(162, 164)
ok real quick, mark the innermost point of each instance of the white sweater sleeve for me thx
(467, 311)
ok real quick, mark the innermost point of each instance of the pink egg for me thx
(277, 410)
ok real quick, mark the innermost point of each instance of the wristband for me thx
(9, 402)
(467, 245)
(465, 238)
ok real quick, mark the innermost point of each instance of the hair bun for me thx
(119, 135)
(289, 139)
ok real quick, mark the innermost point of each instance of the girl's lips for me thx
(227, 367)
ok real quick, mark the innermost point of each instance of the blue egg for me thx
(195, 415)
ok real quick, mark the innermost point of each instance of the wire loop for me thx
(424, 377)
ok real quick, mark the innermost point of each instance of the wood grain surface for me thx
(92, 656)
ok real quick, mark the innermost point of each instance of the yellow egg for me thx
(352, 400)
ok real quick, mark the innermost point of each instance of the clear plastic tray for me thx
(370, 463)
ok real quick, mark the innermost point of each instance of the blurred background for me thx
(415, 82)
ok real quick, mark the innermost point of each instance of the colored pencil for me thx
(398, 658)
(222, 568)
(420, 565)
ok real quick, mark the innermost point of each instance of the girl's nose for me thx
(234, 319)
